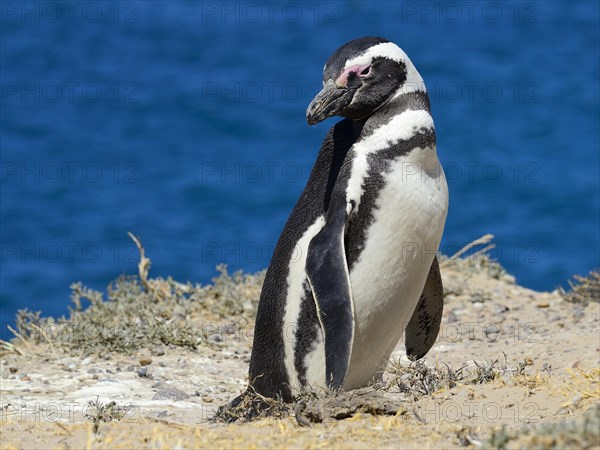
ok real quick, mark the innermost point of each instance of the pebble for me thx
(182, 363)
(170, 394)
(214, 338)
(93, 370)
(158, 351)
(13, 369)
(501, 308)
(578, 314)
(451, 318)
(543, 304)
(144, 361)
(143, 373)
(24, 377)
(210, 369)
(207, 399)
(491, 329)
(162, 413)
(476, 297)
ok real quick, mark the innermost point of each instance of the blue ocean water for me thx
(183, 122)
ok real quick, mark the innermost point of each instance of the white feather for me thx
(295, 292)
(402, 127)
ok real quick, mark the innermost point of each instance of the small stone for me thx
(491, 329)
(207, 399)
(170, 394)
(543, 304)
(578, 314)
(93, 370)
(451, 318)
(143, 373)
(215, 338)
(13, 369)
(501, 308)
(162, 413)
(86, 361)
(476, 297)
(144, 361)
(46, 382)
(109, 371)
(158, 351)
(130, 369)
(182, 364)
(24, 377)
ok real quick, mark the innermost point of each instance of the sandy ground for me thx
(548, 350)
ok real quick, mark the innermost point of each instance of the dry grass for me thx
(140, 312)
(583, 289)
(475, 258)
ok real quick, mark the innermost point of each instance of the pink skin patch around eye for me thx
(342, 80)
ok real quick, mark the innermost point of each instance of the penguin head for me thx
(360, 77)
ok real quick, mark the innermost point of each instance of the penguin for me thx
(355, 267)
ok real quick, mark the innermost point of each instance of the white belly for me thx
(388, 278)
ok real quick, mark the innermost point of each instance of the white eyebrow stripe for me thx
(386, 50)
(414, 81)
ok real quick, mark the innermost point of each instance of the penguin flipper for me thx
(329, 279)
(424, 325)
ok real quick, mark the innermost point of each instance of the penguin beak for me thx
(329, 102)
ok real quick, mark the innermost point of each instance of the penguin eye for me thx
(366, 71)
